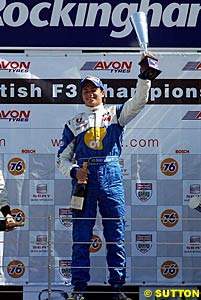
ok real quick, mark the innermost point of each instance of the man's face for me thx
(92, 95)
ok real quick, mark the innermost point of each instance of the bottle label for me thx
(77, 202)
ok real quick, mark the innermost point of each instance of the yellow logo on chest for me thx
(94, 138)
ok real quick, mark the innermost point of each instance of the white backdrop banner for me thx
(160, 162)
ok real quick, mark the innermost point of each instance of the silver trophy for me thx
(149, 64)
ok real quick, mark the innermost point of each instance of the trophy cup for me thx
(149, 64)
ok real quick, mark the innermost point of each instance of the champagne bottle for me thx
(79, 194)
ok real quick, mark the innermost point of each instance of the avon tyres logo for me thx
(192, 115)
(192, 66)
(15, 115)
(15, 66)
(112, 66)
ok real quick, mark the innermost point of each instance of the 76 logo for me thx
(169, 166)
(169, 217)
(169, 269)
(16, 268)
(16, 166)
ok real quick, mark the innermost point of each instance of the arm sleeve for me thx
(4, 203)
(66, 153)
(135, 104)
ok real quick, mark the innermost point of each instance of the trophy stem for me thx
(144, 47)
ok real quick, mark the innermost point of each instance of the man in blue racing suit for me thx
(96, 136)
